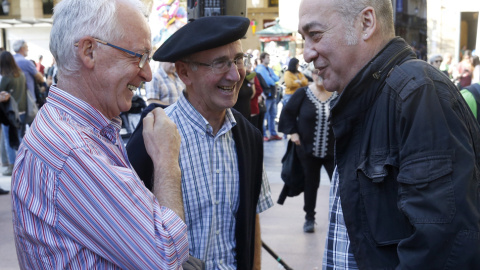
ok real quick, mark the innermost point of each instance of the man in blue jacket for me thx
(270, 93)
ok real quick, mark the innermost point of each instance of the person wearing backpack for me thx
(471, 94)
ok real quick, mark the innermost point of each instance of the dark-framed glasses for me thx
(220, 66)
(144, 57)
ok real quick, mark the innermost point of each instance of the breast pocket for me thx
(426, 188)
(382, 218)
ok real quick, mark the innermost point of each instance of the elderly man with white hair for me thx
(77, 202)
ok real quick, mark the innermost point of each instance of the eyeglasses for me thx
(439, 61)
(144, 57)
(221, 66)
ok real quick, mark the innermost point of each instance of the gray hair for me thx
(434, 57)
(349, 10)
(17, 45)
(75, 19)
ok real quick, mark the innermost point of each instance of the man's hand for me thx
(4, 96)
(162, 142)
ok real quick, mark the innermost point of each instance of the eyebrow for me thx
(307, 26)
(240, 54)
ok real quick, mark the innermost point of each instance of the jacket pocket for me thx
(382, 219)
(426, 188)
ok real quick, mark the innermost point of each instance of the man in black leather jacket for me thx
(407, 147)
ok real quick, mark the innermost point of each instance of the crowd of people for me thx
(17, 76)
(395, 135)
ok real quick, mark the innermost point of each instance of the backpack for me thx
(475, 90)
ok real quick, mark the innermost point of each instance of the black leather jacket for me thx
(408, 156)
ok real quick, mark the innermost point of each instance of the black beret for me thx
(202, 34)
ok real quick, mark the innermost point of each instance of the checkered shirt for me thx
(210, 185)
(338, 254)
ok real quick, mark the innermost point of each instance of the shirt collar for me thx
(85, 114)
(199, 122)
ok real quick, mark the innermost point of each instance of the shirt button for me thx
(218, 232)
(217, 202)
(221, 262)
(218, 171)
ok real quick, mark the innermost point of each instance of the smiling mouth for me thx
(227, 88)
(131, 87)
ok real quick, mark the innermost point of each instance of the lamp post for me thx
(5, 7)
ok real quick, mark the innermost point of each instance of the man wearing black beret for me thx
(221, 154)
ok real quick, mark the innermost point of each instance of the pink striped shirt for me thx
(78, 204)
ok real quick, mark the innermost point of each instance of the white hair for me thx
(17, 45)
(75, 19)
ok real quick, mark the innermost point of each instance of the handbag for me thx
(32, 109)
(292, 174)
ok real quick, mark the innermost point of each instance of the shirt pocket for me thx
(381, 217)
(426, 188)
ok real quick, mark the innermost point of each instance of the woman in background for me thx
(12, 85)
(305, 119)
(294, 79)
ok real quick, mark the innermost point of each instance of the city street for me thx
(282, 225)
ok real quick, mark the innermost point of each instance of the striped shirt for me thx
(164, 88)
(338, 254)
(210, 185)
(78, 204)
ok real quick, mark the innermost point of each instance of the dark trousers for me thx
(257, 120)
(311, 167)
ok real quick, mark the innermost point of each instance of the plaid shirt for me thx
(210, 185)
(164, 88)
(78, 204)
(337, 245)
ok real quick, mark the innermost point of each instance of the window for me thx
(47, 7)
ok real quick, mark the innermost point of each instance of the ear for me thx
(183, 70)
(86, 51)
(368, 22)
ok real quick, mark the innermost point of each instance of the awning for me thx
(275, 30)
(277, 38)
(11, 23)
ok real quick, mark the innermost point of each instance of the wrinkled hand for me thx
(295, 138)
(162, 142)
(161, 137)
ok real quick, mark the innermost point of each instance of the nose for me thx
(146, 72)
(233, 73)
(309, 53)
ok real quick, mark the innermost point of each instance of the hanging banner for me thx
(399, 7)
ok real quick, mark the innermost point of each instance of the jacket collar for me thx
(363, 89)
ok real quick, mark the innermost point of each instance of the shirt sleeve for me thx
(438, 166)
(31, 69)
(265, 199)
(290, 78)
(108, 210)
(288, 117)
(151, 88)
